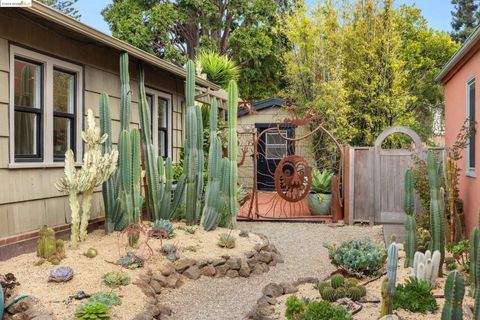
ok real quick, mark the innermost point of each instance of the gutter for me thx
(461, 52)
(67, 22)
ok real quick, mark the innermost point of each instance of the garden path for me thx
(231, 299)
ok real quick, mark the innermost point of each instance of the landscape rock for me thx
(160, 278)
(164, 310)
(183, 264)
(288, 287)
(62, 274)
(232, 273)
(267, 300)
(272, 290)
(145, 287)
(208, 271)
(221, 270)
(277, 258)
(244, 270)
(234, 263)
(156, 286)
(192, 273)
(167, 268)
(264, 256)
(218, 262)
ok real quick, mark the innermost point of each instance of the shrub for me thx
(358, 257)
(93, 311)
(295, 307)
(415, 296)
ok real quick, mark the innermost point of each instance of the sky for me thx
(437, 12)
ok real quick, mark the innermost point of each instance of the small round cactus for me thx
(354, 293)
(340, 293)
(322, 285)
(337, 281)
(350, 282)
(363, 290)
(328, 294)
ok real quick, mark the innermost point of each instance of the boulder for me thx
(265, 256)
(221, 270)
(244, 270)
(145, 287)
(160, 278)
(272, 290)
(156, 286)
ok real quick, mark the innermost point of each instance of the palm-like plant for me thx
(218, 69)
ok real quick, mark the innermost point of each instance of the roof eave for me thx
(46, 12)
(461, 52)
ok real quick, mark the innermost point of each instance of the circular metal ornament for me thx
(293, 178)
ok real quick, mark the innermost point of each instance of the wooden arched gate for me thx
(375, 190)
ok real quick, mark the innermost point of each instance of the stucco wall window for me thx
(45, 109)
(471, 117)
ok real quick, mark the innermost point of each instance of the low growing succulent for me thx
(116, 279)
(226, 241)
(93, 311)
(314, 310)
(131, 261)
(357, 257)
(108, 298)
(163, 229)
(415, 296)
(170, 251)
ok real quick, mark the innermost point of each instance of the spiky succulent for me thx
(116, 279)
(163, 228)
(328, 294)
(340, 292)
(354, 293)
(93, 311)
(337, 281)
(226, 241)
(363, 290)
(350, 282)
(321, 285)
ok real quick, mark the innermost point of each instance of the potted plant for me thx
(321, 194)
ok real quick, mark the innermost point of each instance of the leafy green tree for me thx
(248, 31)
(465, 18)
(64, 6)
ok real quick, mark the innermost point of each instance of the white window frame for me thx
(48, 64)
(275, 145)
(470, 172)
(159, 94)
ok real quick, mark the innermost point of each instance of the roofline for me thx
(470, 42)
(68, 22)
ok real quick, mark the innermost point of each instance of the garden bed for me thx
(371, 303)
(199, 248)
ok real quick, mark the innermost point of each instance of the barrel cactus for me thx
(454, 293)
(48, 247)
(354, 293)
(337, 281)
(329, 294)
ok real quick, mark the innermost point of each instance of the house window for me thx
(46, 101)
(160, 106)
(471, 117)
(276, 146)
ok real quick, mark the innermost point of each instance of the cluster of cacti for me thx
(159, 172)
(389, 283)
(410, 223)
(214, 199)
(454, 293)
(437, 209)
(96, 169)
(163, 228)
(226, 241)
(338, 287)
(426, 265)
(48, 247)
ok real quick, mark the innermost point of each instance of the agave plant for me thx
(218, 69)
(322, 181)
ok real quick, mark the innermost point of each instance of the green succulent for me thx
(116, 279)
(163, 228)
(350, 282)
(337, 281)
(107, 298)
(416, 296)
(357, 257)
(354, 293)
(314, 310)
(321, 285)
(93, 311)
(340, 292)
(226, 241)
(328, 294)
(322, 181)
(363, 290)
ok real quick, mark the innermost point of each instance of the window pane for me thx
(162, 113)
(276, 138)
(62, 140)
(276, 152)
(471, 107)
(162, 142)
(27, 84)
(63, 91)
(26, 134)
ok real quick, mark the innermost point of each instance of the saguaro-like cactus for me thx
(392, 262)
(410, 223)
(473, 253)
(232, 203)
(437, 209)
(214, 201)
(193, 147)
(454, 293)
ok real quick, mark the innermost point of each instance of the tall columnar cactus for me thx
(426, 265)
(214, 201)
(454, 293)
(410, 223)
(437, 209)
(125, 93)
(96, 169)
(392, 262)
(473, 253)
(130, 199)
(159, 173)
(232, 203)
(387, 301)
(193, 147)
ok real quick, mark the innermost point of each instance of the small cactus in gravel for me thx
(351, 282)
(337, 281)
(93, 311)
(328, 294)
(322, 285)
(116, 279)
(354, 293)
(340, 292)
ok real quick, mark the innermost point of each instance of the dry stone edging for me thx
(173, 274)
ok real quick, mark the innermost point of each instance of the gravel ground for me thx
(300, 245)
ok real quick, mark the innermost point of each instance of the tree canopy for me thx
(465, 18)
(366, 65)
(248, 31)
(64, 6)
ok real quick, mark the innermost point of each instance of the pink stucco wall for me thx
(455, 115)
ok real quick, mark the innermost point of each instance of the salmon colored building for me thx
(461, 80)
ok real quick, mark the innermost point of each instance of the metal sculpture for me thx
(293, 178)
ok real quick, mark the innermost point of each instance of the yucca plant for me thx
(217, 68)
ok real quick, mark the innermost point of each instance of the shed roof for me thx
(263, 104)
(467, 49)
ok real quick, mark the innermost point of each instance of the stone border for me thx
(173, 275)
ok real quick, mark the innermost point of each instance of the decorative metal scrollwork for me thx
(293, 178)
